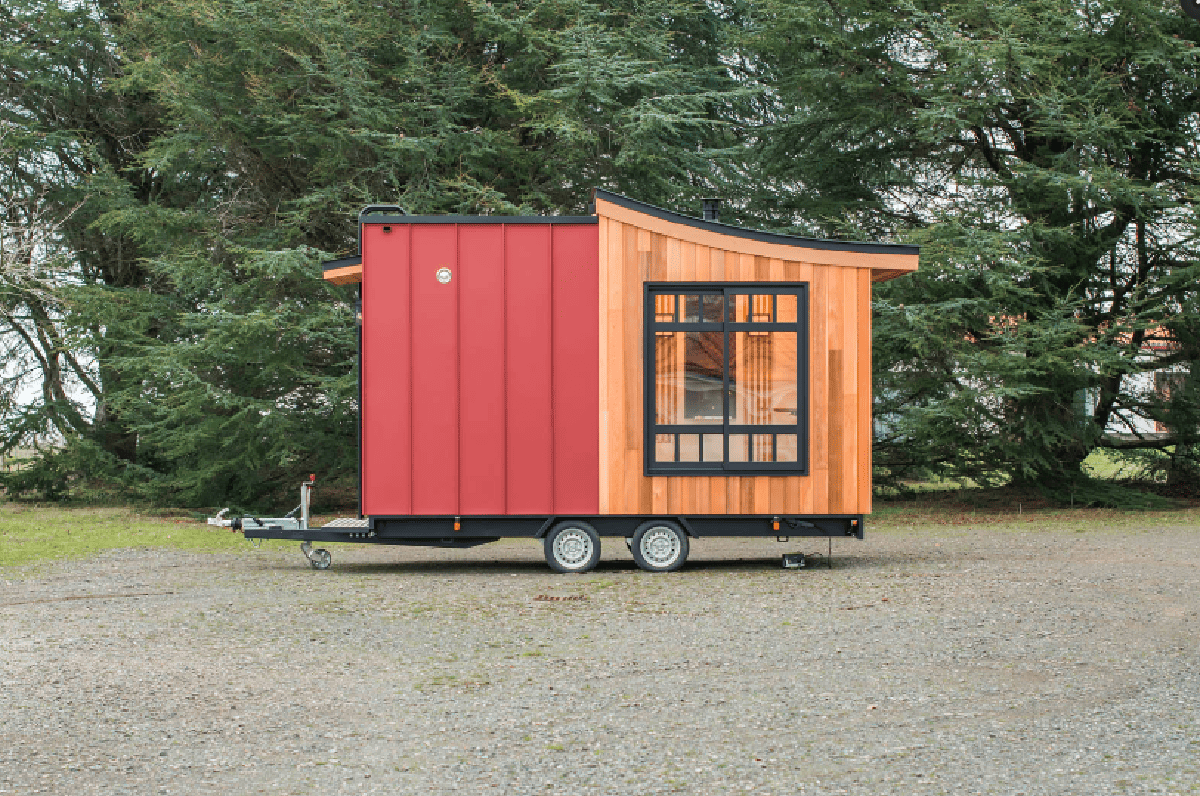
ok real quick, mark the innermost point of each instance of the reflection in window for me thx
(664, 308)
(756, 308)
(714, 447)
(689, 447)
(762, 379)
(785, 448)
(664, 447)
(713, 308)
(785, 308)
(689, 388)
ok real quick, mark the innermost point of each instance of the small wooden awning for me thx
(346, 271)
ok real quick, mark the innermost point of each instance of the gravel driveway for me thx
(928, 661)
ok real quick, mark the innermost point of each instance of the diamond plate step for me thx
(347, 522)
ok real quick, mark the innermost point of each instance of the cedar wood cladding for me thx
(637, 247)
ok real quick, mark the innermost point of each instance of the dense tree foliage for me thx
(200, 158)
(175, 170)
(1046, 154)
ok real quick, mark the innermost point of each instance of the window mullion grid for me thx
(729, 327)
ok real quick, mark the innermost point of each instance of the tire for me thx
(572, 546)
(659, 546)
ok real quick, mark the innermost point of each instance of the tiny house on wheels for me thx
(633, 373)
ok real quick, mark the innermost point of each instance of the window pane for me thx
(762, 309)
(739, 448)
(664, 447)
(762, 378)
(664, 309)
(688, 378)
(785, 448)
(691, 309)
(739, 308)
(689, 447)
(668, 379)
(703, 380)
(762, 447)
(712, 309)
(714, 447)
(785, 308)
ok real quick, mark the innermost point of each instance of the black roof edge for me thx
(390, 219)
(754, 234)
(345, 262)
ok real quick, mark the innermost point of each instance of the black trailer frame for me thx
(446, 530)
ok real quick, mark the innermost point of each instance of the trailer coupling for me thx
(289, 526)
(288, 522)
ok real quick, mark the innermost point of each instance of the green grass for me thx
(31, 534)
(965, 509)
(1101, 463)
(34, 534)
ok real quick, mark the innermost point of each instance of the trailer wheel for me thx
(321, 559)
(572, 546)
(659, 546)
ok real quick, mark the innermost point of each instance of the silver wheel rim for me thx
(660, 547)
(572, 548)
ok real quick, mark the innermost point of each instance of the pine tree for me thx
(1045, 153)
(219, 150)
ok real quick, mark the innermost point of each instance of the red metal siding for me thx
(576, 391)
(481, 300)
(480, 396)
(386, 364)
(434, 312)
(530, 444)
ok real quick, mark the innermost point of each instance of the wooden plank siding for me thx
(638, 248)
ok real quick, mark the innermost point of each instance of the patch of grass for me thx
(1004, 507)
(1104, 463)
(31, 534)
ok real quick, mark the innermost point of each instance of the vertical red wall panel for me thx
(480, 395)
(385, 364)
(480, 278)
(528, 346)
(576, 346)
(434, 311)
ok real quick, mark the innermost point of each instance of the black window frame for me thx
(650, 325)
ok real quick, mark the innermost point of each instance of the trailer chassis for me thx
(659, 543)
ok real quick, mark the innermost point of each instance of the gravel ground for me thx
(930, 661)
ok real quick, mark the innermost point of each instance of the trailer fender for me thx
(687, 527)
(545, 529)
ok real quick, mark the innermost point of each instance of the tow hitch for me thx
(259, 527)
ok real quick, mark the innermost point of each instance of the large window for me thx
(726, 379)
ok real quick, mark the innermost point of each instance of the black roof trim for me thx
(754, 234)
(388, 219)
(345, 262)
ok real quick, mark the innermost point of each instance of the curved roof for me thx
(753, 234)
(884, 260)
